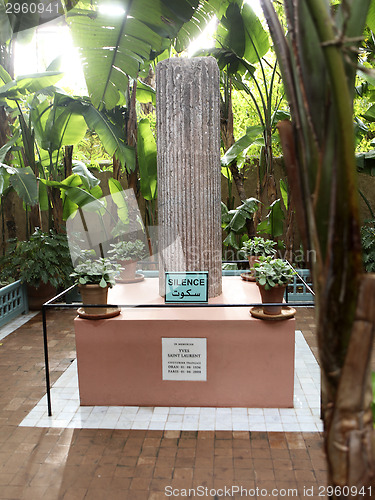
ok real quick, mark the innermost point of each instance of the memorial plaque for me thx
(184, 359)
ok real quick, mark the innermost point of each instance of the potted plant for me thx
(43, 263)
(257, 247)
(128, 253)
(94, 278)
(272, 277)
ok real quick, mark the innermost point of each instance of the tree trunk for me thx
(148, 107)
(116, 168)
(54, 196)
(131, 133)
(348, 421)
(68, 161)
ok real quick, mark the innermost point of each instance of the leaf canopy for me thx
(113, 48)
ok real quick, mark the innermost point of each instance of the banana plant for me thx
(318, 61)
(45, 126)
(116, 50)
(113, 48)
(241, 46)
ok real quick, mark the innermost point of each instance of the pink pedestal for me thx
(250, 362)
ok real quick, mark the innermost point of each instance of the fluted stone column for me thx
(189, 188)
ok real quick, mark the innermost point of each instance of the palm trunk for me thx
(131, 133)
(328, 218)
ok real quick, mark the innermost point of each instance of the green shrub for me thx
(128, 250)
(271, 272)
(259, 246)
(45, 257)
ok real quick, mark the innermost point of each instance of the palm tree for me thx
(318, 60)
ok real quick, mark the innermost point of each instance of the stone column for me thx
(189, 187)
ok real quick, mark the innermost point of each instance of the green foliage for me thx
(28, 84)
(128, 250)
(90, 150)
(109, 133)
(22, 180)
(43, 258)
(113, 48)
(76, 191)
(271, 272)
(241, 39)
(234, 221)
(119, 198)
(242, 145)
(259, 246)
(146, 148)
(102, 271)
(273, 225)
(368, 245)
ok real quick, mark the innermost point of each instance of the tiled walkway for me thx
(305, 416)
(69, 463)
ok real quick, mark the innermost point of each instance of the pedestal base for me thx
(250, 362)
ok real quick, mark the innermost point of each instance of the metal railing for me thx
(51, 304)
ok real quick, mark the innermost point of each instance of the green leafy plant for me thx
(128, 250)
(100, 272)
(235, 222)
(368, 245)
(273, 224)
(259, 246)
(271, 272)
(43, 258)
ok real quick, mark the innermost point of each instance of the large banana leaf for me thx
(73, 195)
(8, 146)
(110, 135)
(119, 198)
(193, 28)
(252, 133)
(88, 179)
(5, 26)
(146, 146)
(4, 76)
(113, 48)
(4, 180)
(28, 84)
(241, 37)
(23, 181)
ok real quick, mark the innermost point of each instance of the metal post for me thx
(46, 362)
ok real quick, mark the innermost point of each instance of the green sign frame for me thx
(186, 287)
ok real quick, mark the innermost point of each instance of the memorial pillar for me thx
(189, 183)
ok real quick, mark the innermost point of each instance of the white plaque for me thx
(184, 359)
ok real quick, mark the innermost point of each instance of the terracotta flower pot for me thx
(274, 294)
(94, 294)
(252, 260)
(129, 271)
(38, 296)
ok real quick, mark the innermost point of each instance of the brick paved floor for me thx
(38, 463)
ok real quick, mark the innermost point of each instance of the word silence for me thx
(186, 287)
